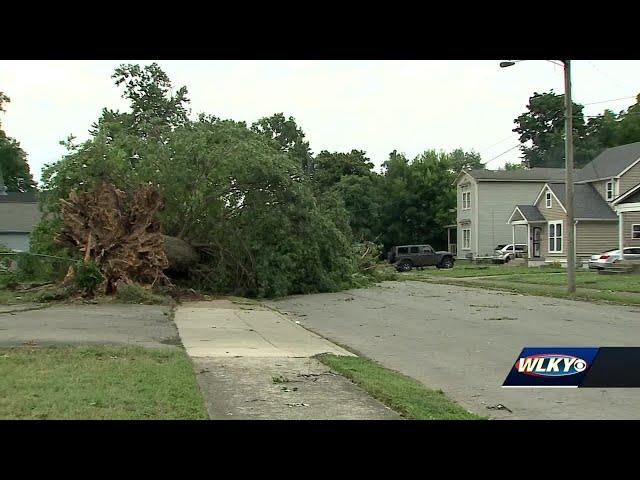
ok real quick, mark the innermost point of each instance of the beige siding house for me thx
(606, 209)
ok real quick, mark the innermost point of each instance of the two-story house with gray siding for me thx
(486, 199)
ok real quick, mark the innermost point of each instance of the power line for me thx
(607, 101)
(498, 156)
(497, 143)
(606, 74)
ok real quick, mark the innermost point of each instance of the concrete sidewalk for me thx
(253, 363)
(221, 328)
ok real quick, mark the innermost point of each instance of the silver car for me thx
(609, 258)
(504, 253)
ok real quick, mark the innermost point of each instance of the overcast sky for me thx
(376, 106)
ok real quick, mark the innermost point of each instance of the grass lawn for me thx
(461, 271)
(399, 392)
(614, 283)
(545, 281)
(554, 286)
(98, 382)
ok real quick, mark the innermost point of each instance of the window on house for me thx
(548, 199)
(635, 231)
(466, 239)
(466, 200)
(610, 190)
(555, 237)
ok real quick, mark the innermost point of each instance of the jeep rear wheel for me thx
(404, 266)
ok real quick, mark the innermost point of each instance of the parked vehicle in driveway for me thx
(611, 257)
(504, 253)
(406, 257)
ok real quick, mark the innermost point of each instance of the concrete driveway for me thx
(464, 341)
(142, 325)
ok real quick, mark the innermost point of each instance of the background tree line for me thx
(541, 130)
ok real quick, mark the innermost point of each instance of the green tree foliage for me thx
(409, 202)
(541, 130)
(331, 167)
(14, 169)
(461, 160)
(514, 166)
(289, 138)
(419, 196)
(231, 190)
(362, 197)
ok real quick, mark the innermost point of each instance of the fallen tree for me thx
(180, 254)
(118, 232)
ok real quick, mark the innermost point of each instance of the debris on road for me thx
(499, 406)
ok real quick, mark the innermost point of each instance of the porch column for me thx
(513, 235)
(621, 233)
(529, 242)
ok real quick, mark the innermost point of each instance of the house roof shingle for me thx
(530, 174)
(609, 163)
(531, 213)
(587, 202)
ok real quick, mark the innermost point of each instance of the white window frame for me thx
(548, 201)
(466, 242)
(466, 200)
(633, 227)
(555, 237)
(613, 191)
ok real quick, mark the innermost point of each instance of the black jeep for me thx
(406, 257)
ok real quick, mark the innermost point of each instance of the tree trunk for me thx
(181, 255)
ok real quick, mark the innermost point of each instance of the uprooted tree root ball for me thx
(118, 232)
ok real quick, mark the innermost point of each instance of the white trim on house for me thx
(513, 213)
(546, 186)
(620, 231)
(610, 195)
(476, 240)
(463, 172)
(628, 207)
(466, 242)
(521, 222)
(466, 205)
(555, 237)
(626, 194)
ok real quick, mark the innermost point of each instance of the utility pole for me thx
(568, 146)
(569, 227)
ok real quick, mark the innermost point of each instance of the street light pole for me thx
(569, 204)
(568, 146)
